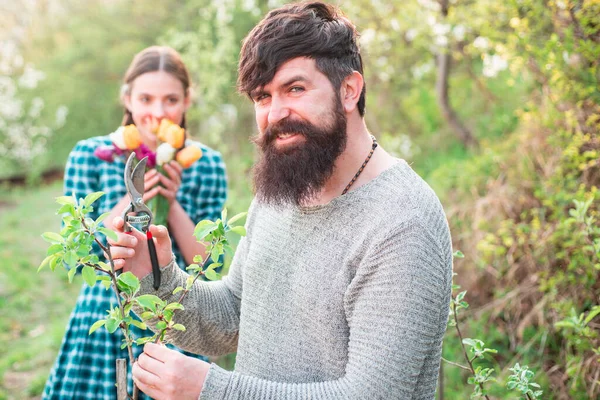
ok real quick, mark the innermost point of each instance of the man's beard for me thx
(297, 172)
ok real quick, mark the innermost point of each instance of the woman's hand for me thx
(130, 251)
(165, 185)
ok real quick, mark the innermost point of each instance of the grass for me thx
(34, 307)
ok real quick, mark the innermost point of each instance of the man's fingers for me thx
(118, 223)
(150, 364)
(159, 232)
(159, 352)
(145, 380)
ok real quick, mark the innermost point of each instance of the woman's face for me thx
(154, 96)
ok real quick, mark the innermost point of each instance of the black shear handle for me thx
(153, 260)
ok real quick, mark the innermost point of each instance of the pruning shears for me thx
(141, 220)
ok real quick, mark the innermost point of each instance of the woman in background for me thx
(156, 86)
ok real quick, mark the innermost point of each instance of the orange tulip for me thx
(171, 133)
(188, 155)
(132, 137)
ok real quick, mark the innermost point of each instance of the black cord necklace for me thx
(362, 167)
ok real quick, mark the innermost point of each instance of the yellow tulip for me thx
(132, 137)
(171, 133)
(188, 155)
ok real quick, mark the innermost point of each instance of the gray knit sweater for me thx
(343, 301)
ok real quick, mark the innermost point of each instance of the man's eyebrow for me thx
(257, 92)
(297, 78)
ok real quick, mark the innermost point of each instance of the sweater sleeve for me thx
(397, 309)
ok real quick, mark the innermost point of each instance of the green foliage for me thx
(520, 381)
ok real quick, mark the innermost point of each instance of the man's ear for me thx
(351, 89)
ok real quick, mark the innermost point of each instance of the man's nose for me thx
(278, 111)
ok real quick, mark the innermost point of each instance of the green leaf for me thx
(592, 314)
(179, 327)
(177, 290)
(104, 266)
(71, 258)
(146, 315)
(224, 214)
(92, 197)
(55, 248)
(144, 340)
(130, 280)
(188, 282)
(215, 254)
(236, 218)
(160, 325)
(458, 254)
(96, 325)
(56, 261)
(112, 325)
(45, 262)
(174, 306)
(66, 200)
(240, 230)
(211, 275)
(109, 233)
(203, 228)
(102, 217)
(139, 324)
(148, 301)
(71, 274)
(66, 208)
(52, 237)
(89, 276)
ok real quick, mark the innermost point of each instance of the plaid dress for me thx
(85, 367)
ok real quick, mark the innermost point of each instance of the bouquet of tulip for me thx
(172, 146)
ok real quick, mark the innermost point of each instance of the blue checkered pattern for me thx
(85, 367)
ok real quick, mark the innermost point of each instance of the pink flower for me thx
(144, 151)
(105, 153)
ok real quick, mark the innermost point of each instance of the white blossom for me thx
(61, 115)
(481, 43)
(411, 34)
(37, 104)
(367, 37)
(118, 139)
(11, 110)
(459, 32)
(395, 24)
(164, 153)
(7, 87)
(492, 65)
(420, 71)
(31, 77)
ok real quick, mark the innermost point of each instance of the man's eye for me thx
(144, 99)
(296, 89)
(260, 98)
(173, 100)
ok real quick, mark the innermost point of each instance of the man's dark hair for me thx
(315, 30)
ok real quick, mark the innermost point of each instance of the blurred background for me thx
(494, 103)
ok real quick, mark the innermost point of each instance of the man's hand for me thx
(165, 374)
(130, 251)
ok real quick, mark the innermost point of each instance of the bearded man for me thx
(341, 288)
